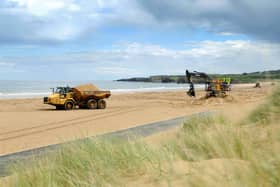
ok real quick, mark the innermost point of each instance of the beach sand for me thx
(28, 123)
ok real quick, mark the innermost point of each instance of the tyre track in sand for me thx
(52, 123)
(140, 131)
(60, 124)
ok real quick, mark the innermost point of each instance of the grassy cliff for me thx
(236, 78)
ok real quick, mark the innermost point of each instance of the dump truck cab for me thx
(62, 97)
(84, 96)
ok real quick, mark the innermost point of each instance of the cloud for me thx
(257, 18)
(6, 64)
(56, 21)
(138, 59)
(23, 23)
(40, 8)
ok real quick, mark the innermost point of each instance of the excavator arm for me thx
(197, 75)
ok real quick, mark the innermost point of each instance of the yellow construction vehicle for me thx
(84, 96)
(213, 87)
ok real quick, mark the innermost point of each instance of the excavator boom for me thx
(197, 75)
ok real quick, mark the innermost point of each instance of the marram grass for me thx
(91, 163)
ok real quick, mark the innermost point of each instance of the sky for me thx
(111, 39)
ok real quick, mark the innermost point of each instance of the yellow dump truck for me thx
(84, 96)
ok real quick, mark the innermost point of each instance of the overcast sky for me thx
(110, 39)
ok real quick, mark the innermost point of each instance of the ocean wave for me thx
(22, 95)
(31, 94)
(125, 90)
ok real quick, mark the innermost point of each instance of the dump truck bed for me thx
(96, 94)
(86, 91)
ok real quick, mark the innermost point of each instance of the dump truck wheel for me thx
(69, 105)
(92, 104)
(101, 104)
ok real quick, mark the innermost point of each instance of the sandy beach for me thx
(28, 123)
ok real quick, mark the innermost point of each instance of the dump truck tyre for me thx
(92, 104)
(69, 105)
(101, 104)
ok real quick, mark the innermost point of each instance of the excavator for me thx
(213, 87)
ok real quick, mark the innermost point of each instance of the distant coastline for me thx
(236, 78)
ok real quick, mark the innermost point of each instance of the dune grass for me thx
(215, 151)
(92, 163)
(269, 111)
(208, 137)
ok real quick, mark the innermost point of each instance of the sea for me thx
(10, 89)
